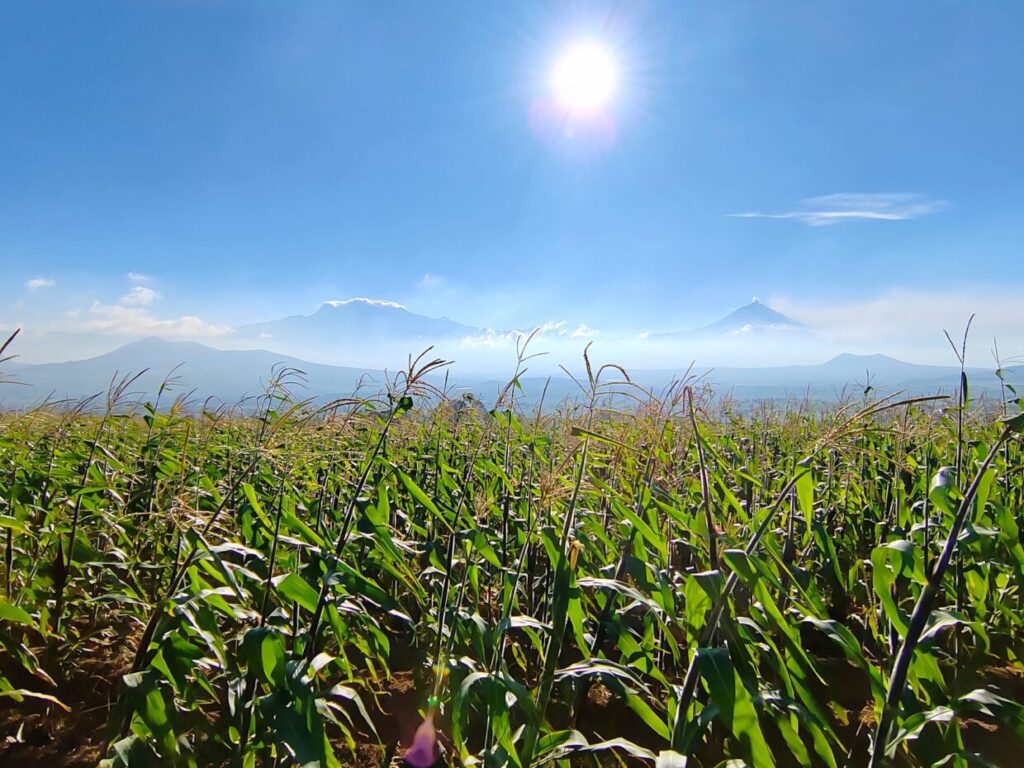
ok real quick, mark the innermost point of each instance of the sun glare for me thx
(584, 78)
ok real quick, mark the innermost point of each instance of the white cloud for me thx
(490, 338)
(552, 329)
(39, 282)
(562, 330)
(139, 296)
(136, 321)
(827, 210)
(138, 277)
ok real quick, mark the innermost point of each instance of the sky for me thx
(188, 166)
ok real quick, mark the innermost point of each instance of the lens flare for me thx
(423, 752)
(584, 78)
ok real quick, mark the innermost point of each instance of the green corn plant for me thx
(926, 602)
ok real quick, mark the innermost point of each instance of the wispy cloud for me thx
(138, 277)
(39, 282)
(826, 210)
(139, 296)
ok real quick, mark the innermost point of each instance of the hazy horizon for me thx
(492, 352)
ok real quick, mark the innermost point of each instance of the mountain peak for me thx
(755, 314)
(850, 357)
(159, 342)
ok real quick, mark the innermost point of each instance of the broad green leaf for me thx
(15, 614)
(735, 707)
(294, 588)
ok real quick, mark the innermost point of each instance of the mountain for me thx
(224, 374)
(364, 321)
(755, 317)
(848, 366)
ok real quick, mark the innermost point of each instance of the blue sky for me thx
(252, 160)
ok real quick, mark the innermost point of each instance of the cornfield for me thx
(637, 578)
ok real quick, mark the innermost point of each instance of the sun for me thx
(584, 78)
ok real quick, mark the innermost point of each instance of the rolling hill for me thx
(227, 375)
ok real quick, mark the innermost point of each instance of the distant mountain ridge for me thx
(229, 375)
(883, 365)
